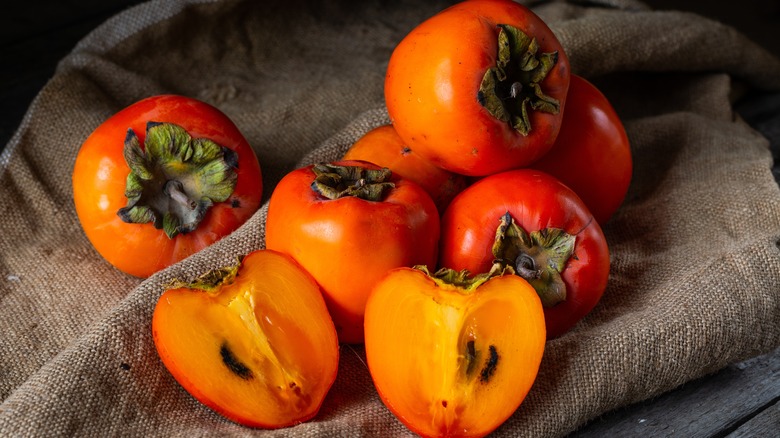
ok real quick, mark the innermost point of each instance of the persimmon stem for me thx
(174, 190)
(515, 90)
(525, 266)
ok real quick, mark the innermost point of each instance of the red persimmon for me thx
(529, 220)
(161, 180)
(592, 154)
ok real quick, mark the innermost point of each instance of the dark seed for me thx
(233, 364)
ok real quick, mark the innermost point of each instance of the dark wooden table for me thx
(742, 400)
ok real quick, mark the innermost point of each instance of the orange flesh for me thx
(261, 351)
(449, 363)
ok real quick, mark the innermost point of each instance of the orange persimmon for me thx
(384, 147)
(254, 341)
(478, 88)
(348, 223)
(453, 355)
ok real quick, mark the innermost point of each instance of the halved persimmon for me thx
(453, 355)
(254, 341)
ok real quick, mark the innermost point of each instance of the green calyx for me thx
(334, 182)
(511, 89)
(463, 280)
(174, 179)
(210, 281)
(540, 257)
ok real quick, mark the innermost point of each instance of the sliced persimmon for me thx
(254, 341)
(453, 355)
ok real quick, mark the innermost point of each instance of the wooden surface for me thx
(742, 400)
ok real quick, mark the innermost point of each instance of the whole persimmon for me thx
(254, 341)
(383, 147)
(531, 221)
(478, 88)
(162, 179)
(348, 223)
(451, 354)
(592, 154)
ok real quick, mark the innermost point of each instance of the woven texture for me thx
(695, 259)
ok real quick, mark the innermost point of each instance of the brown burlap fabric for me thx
(696, 266)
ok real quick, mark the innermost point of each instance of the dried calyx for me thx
(335, 181)
(511, 89)
(210, 281)
(463, 280)
(540, 257)
(174, 179)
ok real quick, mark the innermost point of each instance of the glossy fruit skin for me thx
(383, 147)
(592, 154)
(282, 342)
(347, 244)
(100, 173)
(432, 83)
(536, 201)
(417, 332)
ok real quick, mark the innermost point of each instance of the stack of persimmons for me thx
(452, 243)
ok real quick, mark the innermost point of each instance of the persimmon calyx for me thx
(512, 88)
(334, 182)
(175, 178)
(210, 281)
(463, 280)
(539, 257)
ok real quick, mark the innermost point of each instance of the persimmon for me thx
(451, 354)
(253, 341)
(384, 147)
(348, 223)
(162, 179)
(533, 222)
(592, 154)
(478, 88)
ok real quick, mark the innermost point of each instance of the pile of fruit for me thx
(452, 243)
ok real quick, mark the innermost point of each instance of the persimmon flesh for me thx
(449, 358)
(258, 348)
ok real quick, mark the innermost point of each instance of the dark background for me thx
(36, 34)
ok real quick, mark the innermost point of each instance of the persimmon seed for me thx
(233, 364)
(490, 365)
(471, 356)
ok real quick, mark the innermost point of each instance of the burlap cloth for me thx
(695, 259)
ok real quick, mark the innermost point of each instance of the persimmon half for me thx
(451, 354)
(254, 341)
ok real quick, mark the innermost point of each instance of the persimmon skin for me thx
(417, 336)
(383, 147)
(536, 201)
(274, 298)
(349, 243)
(592, 154)
(100, 174)
(432, 84)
